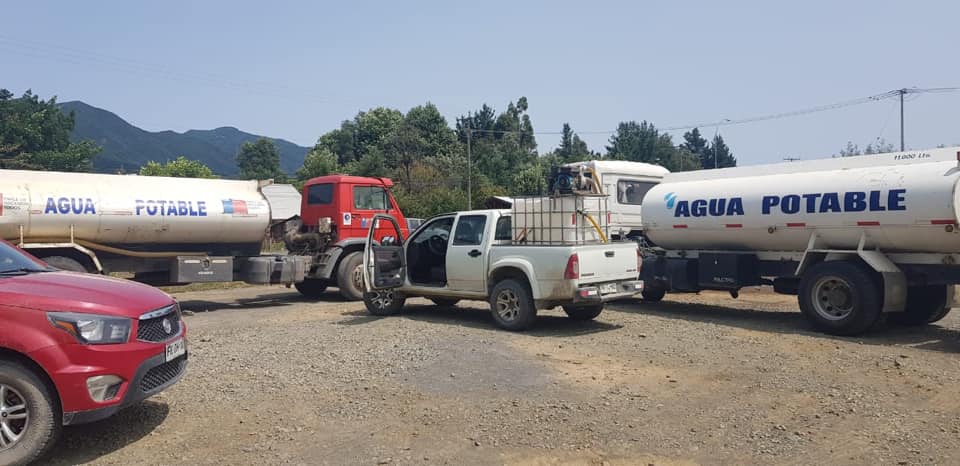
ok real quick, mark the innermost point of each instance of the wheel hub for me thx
(508, 305)
(14, 416)
(833, 298)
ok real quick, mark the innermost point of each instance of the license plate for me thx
(608, 288)
(175, 349)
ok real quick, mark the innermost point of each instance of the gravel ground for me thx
(696, 379)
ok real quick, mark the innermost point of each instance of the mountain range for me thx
(127, 148)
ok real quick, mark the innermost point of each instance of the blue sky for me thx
(296, 69)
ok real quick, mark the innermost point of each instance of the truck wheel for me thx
(840, 298)
(383, 302)
(30, 420)
(65, 263)
(925, 304)
(654, 294)
(512, 306)
(445, 302)
(583, 312)
(312, 288)
(350, 276)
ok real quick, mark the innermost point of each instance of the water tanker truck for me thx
(855, 238)
(183, 230)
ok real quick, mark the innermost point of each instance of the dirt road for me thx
(699, 379)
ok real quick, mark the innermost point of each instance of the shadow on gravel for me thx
(88, 442)
(266, 300)
(546, 325)
(931, 337)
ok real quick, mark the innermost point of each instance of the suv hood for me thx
(81, 292)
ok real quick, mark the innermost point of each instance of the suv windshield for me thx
(12, 260)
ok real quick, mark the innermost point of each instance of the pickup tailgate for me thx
(607, 262)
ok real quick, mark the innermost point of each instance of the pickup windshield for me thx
(15, 262)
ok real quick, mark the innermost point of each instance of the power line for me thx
(59, 53)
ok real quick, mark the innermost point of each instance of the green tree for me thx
(35, 135)
(880, 146)
(260, 160)
(318, 162)
(181, 167)
(572, 148)
(696, 145)
(371, 164)
(718, 151)
(850, 151)
(641, 142)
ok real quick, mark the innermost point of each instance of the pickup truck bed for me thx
(478, 261)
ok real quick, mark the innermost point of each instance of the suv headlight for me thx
(92, 329)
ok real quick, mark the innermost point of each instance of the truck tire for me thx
(383, 302)
(65, 263)
(654, 294)
(840, 298)
(583, 312)
(350, 276)
(445, 302)
(23, 393)
(312, 288)
(512, 305)
(925, 304)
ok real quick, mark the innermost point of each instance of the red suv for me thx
(77, 348)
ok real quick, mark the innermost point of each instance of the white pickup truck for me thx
(471, 256)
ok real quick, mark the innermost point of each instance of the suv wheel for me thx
(30, 418)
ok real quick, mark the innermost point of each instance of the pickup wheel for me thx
(312, 288)
(840, 298)
(65, 263)
(445, 302)
(383, 302)
(512, 305)
(350, 276)
(583, 312)
(925, 304)
(30, 418)
(654, 294)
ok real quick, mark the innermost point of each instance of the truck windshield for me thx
(13, 261)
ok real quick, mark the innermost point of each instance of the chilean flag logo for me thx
(231, 206)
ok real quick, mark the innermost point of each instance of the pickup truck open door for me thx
(384, 263)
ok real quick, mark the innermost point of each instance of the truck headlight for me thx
(92, 329)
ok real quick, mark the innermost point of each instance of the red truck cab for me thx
(76, 348)
(347, 205)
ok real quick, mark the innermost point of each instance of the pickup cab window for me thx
(370, 198)
(503, 232)
(469, 230)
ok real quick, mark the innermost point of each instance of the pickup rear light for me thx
(572, 272)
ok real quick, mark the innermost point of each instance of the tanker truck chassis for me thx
(856, 239)
(166, 231)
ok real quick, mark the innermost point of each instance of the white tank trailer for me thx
(169, 230)
(855, 238)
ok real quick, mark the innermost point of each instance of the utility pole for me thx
(715, 134)
(901, 92)
(469, 170)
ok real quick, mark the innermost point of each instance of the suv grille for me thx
(162, 374)
(161, 328)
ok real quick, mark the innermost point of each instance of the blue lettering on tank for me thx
(791, 204)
